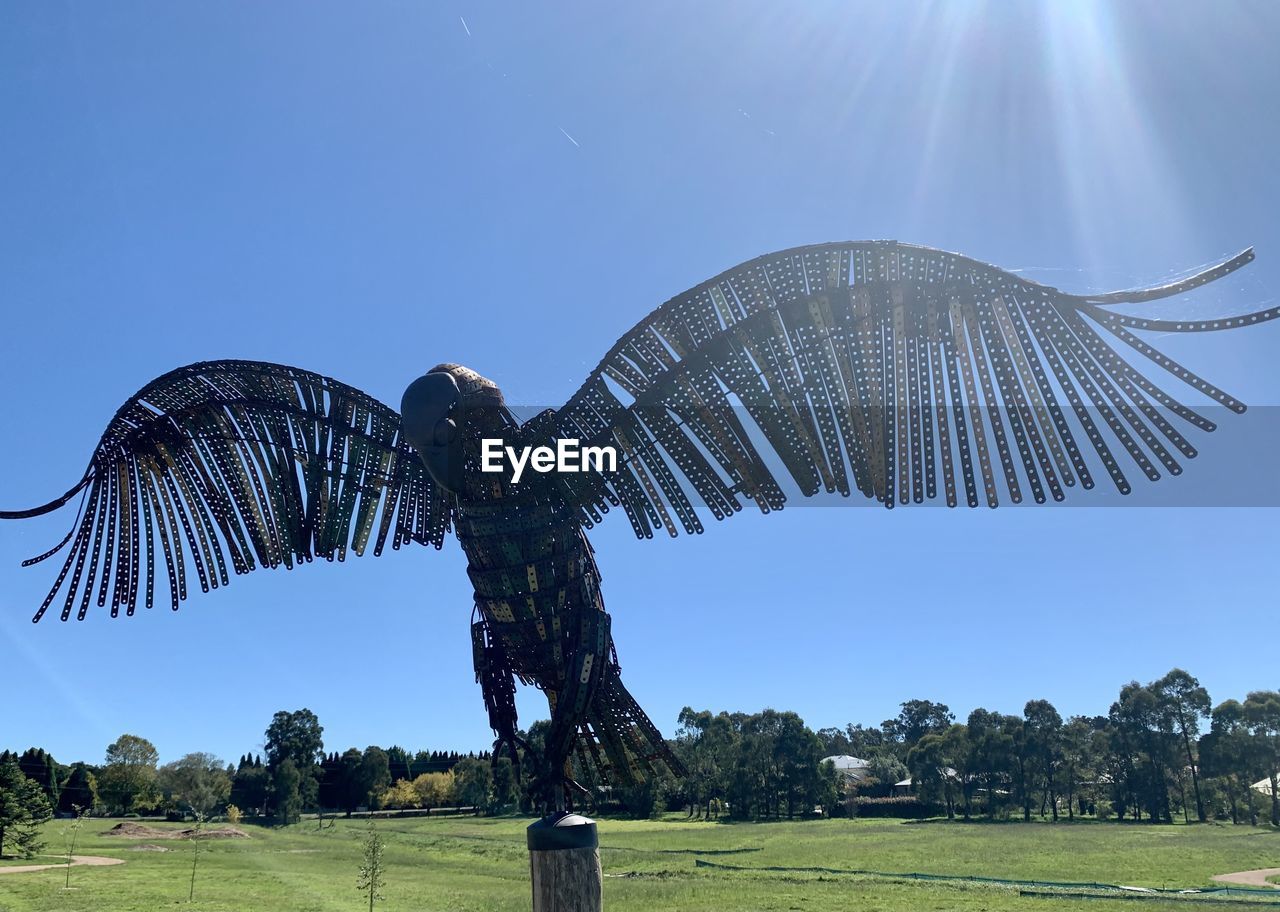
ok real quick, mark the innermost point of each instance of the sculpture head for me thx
(440, 411)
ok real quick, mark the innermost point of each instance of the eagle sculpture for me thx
(878, 367)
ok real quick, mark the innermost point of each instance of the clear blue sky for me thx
(368, 190)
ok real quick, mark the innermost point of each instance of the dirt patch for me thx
(130, 830)
(223, 832)
(94, 860)
(147, 847)
(1258, 878)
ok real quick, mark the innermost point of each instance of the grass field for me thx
(482, 864)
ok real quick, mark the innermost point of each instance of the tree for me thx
(1229, 753)
(1142, 741)
(1077, 760)
(309, 788)
(506, 790)
(80, 790)
(917, 719)
(375, 774)
(198, 781)
(1262, 713)
(960, 755)
(835, 741)
(865, 741)
(535, 739)
(329, 791)
(350, 791)
(932, 766)
(828, 787)
(434, 790)
(401, 795)
(991, 745)
(40, 767)
(705, 743)
(288, 800)
(1021, 763)
(798, 755)
(371, 879)
(887, 771)
(771, 767)
(753, 781)
(473, 783)
(854, 740)
(250, 786)
(23, 807)
(1187, 703)
(640, 798)
(128, 781)
(195, 854)
(296, 735)
(1043, 726)
(400, 763)
(71, 833)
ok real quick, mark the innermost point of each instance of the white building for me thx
(854, 769)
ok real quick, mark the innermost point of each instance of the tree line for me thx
(295, 776)
(1161, 752)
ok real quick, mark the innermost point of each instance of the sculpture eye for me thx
(445, 431)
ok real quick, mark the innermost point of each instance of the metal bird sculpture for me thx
(877, 367)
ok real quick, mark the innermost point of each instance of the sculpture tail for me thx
(618, 739)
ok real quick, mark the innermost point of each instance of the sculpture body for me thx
(898, 372)
(541, 615)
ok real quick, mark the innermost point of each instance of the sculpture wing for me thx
(238, 464)
(884, 368)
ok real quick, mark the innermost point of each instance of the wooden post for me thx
(564, 861)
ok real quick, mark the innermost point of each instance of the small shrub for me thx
(195, 852)
(71, 833)
(903, 806)
(371, 879)
(234, 814)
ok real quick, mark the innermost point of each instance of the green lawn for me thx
(481, 864)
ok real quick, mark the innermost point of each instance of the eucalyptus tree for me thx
(1043, 732)
(992, 745)
(1262, 713)
(1187, 702)
(1230, 754)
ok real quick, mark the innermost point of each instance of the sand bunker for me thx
(95, 860)
(1256, 878)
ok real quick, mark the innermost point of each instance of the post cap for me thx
(562, 830)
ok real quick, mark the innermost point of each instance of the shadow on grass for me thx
(705, 851)
(765, 821)
(1260, 830)
(1018, 821)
